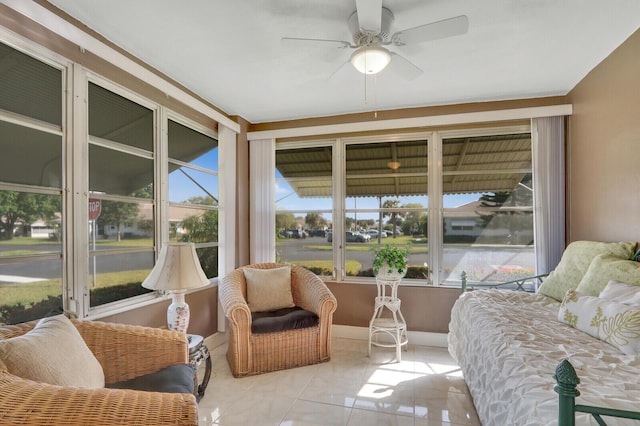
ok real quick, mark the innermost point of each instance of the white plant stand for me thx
(387, 318)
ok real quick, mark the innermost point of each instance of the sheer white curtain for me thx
(262, 185)
(547, 136)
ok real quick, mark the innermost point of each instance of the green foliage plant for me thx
(393, 255)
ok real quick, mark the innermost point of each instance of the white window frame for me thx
(74, 187)
(435, 194)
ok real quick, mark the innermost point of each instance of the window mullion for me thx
(435, 237)
(161, 186)
(77, 200)
(339, 167)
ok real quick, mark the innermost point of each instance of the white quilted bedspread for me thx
(508, 344)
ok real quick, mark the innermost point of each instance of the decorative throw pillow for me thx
(615, 291)
(605, 268)
(574, 264)
(615, 323)
(268, 289)
(52, 352)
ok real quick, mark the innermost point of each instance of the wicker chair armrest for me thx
(233, 303)
(127, 351)
(26, 402)
(311, 293)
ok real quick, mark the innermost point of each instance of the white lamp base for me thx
(178, 312)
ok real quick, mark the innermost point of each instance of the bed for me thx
(508, 345)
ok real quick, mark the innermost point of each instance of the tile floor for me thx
(425, 389)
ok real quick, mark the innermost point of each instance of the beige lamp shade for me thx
(178, 268)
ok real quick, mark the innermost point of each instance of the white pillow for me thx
(52, 352)
(615, 323)
(616, 291)
(268, 289)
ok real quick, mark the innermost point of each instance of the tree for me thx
(510, 220)
(117, 213)
(412, 220)
(204, 229)
(207, 201)
(16, 207)
(284, 221)
(392, 204)
(312, 220)
(348, 222)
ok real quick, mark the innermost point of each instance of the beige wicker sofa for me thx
(124, 352)
(255, 353)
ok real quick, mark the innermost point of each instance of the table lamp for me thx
(177, 270)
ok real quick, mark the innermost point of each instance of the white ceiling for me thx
(230, 51)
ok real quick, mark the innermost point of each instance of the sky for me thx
(286, 199)
(181, 188)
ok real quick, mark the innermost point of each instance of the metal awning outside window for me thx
(469, 165)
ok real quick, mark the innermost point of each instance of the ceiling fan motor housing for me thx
(363, 37)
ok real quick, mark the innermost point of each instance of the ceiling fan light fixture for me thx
(370, 59)
(393, 165)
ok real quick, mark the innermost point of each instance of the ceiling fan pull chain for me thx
(375, 95)
(365, 88)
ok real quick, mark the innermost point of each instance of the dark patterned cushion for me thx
(282, 320)
(175, 379)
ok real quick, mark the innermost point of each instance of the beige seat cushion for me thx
(268, 289)
(53, 352)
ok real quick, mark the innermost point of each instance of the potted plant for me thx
(390, 262)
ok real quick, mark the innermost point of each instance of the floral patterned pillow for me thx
(576, 260)
(605, 268)
(615, 323)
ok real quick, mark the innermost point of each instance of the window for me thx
(31, 181)
(140, 174)
(304, 206)
(193, 192)
(488, 208)
(460, 200)
(386, 202)
(121, 186)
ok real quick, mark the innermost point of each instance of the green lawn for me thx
(352, 266)
(28, 293)
(54, 246)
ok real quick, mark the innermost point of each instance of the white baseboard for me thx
(423, 338)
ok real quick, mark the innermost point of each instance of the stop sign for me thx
(95, 207)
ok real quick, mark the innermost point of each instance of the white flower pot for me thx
(384, 274)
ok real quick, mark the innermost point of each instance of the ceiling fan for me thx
(370, 25)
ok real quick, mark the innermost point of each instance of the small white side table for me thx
(387, 318)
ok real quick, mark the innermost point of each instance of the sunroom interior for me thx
(107, 126)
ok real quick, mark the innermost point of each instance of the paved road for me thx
(48, 269)
(483, 260)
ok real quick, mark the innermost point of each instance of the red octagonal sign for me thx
(95, 207)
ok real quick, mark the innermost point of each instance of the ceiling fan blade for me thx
(369, 15)
(404, 67)
(341, 72)
(446, 28)
(297, 41)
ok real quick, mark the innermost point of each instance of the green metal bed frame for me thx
(519, 284)
(567, 389)
(567, 380)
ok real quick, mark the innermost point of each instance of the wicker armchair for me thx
(255, 353)
(124, 352)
